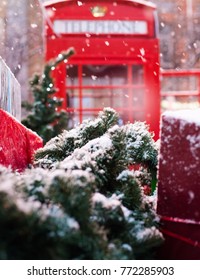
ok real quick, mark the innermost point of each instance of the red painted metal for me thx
(180, 72)
(131, 60)
(178, 184)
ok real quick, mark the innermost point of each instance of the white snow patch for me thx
(190, 116)
(88, 154)
(124, 175)
(108, 203)
(29, 206)
(127, 247)
(126, 211)
(73, 224)
(146, 233)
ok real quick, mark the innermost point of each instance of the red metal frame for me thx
(130, 86)
(123, 49)
(185, 92)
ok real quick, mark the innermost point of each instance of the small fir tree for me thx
(44, 117)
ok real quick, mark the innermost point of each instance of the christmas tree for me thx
(81, 200)
(44, 117)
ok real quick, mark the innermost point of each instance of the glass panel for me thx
(102, 75)
(138, 97)
(128, 101)
(137, 75)
(75, 118)
(138, 93)
(90, 115)
(176, 85)
(100, 98)
(179, 83)
(179, 102)
(139, 116)
(73, 98)
(136, 116)
(72, 75)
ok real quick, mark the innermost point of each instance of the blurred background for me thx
(22, 42)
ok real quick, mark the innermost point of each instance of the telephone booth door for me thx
(91, 87)
(116, 63)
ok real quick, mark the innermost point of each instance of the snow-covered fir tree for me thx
(44, 117)
(81, 200)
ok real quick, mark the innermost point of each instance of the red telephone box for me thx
(116, 62)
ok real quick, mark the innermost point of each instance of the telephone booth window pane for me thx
(99, 98)
(138, 74)
(102, 75)
(90, 115)
(117, 86)
(139, 116)
(179, 102)
(180, 83)
(120, 97)
(73, 98)
(72, 75)
(138, 96)
(180, 93)
(75, 119)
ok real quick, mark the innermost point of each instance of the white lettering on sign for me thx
(101, 26)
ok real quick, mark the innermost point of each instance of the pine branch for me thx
(64, 144)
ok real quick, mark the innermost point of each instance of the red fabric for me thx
(17, 143)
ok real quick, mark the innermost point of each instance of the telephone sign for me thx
(100, 26)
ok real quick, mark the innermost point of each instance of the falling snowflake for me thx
(79, 3)
(34, 25)
(94, 77)
(142, 51)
